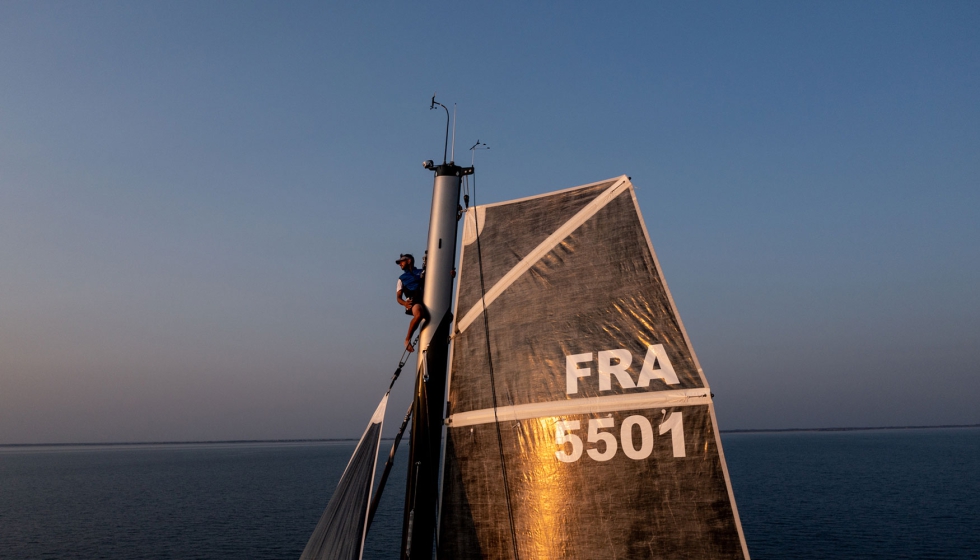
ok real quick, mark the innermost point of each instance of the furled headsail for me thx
(340, 533)
(606, 427)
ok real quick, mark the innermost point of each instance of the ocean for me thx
(821, 495)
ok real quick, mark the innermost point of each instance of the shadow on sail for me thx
(340, 533)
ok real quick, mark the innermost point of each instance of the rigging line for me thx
(388, 465)
(493, 385)
(423, 359)
(401, 431)
(404, 358)
(423, 376)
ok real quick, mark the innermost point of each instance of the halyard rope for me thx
(493, 386)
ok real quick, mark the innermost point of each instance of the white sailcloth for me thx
(340, 533)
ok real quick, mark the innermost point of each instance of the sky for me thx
(201, 203)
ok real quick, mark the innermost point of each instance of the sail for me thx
(340, 533)
(608, 445)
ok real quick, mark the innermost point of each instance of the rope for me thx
(493, 385)
(387, 471)
(391, 455)
(404, 358)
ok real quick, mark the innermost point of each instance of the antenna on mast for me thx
(476, 147)
(445, 147)
(452, 154)
(422, 490)
(466, 186)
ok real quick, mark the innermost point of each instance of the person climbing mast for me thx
(409, 294)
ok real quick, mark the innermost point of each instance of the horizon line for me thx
(323, 440)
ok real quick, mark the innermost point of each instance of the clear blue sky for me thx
(200, 203)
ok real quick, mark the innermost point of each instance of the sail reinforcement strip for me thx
(588, 405)
(543, 249)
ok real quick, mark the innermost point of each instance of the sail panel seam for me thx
(541, 250)
(590, 405)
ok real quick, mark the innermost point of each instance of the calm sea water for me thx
(893, 494)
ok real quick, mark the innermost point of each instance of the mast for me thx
(421, 493)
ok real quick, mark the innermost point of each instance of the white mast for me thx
(418, 527)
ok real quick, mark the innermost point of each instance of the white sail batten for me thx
(589, 405)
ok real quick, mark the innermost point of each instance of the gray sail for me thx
(606, 426)
(340, 533)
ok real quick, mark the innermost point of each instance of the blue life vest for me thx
(411, 282)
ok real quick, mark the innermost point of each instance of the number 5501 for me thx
(563, 434)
